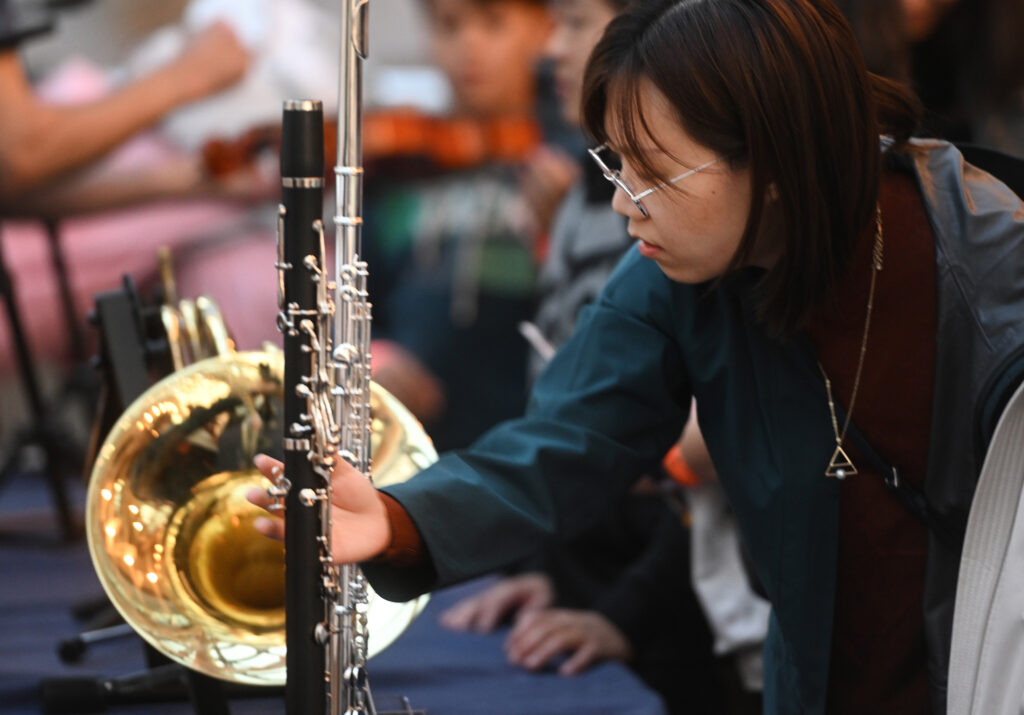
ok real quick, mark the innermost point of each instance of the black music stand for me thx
(61, 455)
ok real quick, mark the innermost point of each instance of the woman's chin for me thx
(687, 274)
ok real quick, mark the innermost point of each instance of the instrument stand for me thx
(124, 356)
(163, 683)
(60, 455)
(208, 695)
(132, 350)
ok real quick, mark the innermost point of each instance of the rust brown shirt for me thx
(878, 663)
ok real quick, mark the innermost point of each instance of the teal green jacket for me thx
(617, 395)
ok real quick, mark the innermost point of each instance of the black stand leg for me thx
(71, 650)
(43, 433)
(207, 694)
(125, 358)
(74, 331)
(164, 683)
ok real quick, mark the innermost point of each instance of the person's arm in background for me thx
(736, 612)
(40, 141)
(181, 177)
(508, 598)
(630, 614)
(545, 178)
(622, 621)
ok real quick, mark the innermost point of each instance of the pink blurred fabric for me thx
(221, 249)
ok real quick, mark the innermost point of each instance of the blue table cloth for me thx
(448, 672)
(438, 670)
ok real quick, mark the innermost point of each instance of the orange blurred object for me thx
(445, 142)
(676, 467)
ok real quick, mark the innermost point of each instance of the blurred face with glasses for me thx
(691, 216)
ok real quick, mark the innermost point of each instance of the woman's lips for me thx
(647, 250)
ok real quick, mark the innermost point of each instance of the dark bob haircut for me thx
(776, 86)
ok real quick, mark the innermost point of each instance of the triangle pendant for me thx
(840, 465)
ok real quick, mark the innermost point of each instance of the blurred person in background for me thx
(42, 143)
(116, 154)
(962, 57)
(968, 69)
(74, 146)
(450, 236)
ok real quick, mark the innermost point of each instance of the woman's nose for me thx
(625, 206)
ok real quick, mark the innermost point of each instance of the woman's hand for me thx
(359, 520)
(483, 611)
(586, 637)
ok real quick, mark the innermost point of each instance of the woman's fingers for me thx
(271, 526)
(584, 636)
(361, 529)
(584, 657)
(479, 613)
(270, 468)
(484, 611)
(532, 630)
(462, 615)
(563, 641)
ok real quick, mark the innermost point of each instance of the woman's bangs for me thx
(628, 132)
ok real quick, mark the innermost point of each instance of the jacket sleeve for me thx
(656, 588)
(604, 412)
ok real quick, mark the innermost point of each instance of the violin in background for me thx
(393, 140)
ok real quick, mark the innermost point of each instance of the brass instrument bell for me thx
(171, 534)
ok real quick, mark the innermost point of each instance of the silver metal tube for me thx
(349, 691)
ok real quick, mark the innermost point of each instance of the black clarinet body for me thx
(300, 244)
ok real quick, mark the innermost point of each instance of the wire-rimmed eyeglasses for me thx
(615, 176)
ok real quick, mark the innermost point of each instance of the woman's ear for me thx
(772, 192)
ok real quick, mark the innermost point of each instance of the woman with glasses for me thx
(621, 589)
(844, 304)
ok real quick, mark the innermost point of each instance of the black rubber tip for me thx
(71, 650)
(73, 695)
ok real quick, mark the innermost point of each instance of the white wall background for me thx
(106, 32)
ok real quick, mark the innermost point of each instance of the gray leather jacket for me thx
(979, 252)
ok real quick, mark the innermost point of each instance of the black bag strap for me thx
(949, 531)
